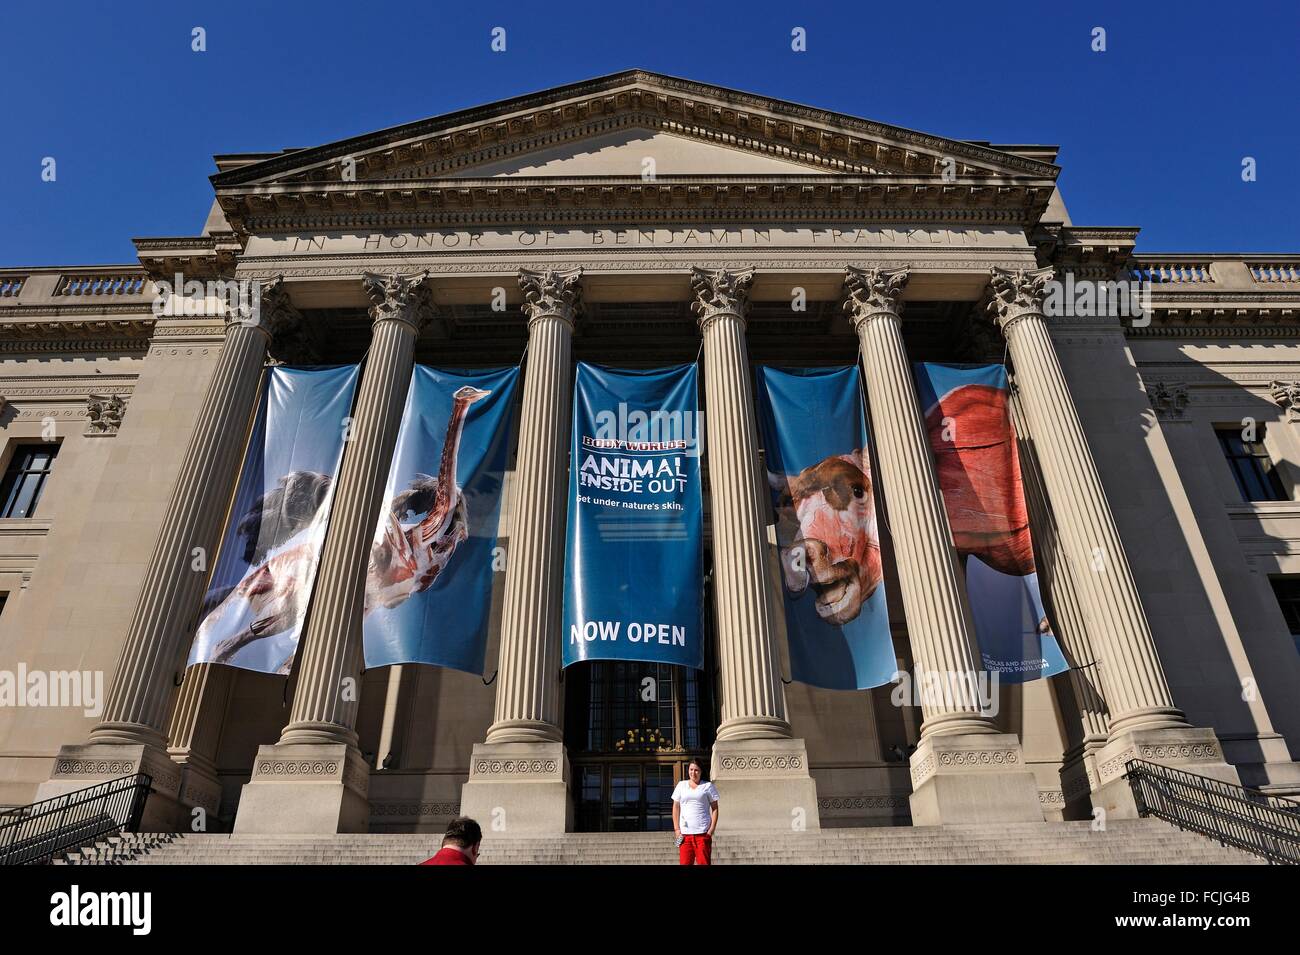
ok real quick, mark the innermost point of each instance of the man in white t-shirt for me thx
(695, 816)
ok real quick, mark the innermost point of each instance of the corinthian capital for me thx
(403, 298)
(290, 340)
(1015, 293)
(871, 292)
(720, 293)
(551, 293)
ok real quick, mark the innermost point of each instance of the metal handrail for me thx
(1265, 825)
(35, 834)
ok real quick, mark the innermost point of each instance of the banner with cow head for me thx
(261, 585)
(634, 561)
(429, 584)
(819, 473)
(968, 420)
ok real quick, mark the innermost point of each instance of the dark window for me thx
(1253, 469)
(1287, 591)
(25, 479)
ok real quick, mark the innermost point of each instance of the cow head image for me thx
(826, 529)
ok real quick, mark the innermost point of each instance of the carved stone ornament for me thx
(1168, 399)
(1015, 293)
(285, 326)
(720, 292)
(551, 293)
(403, 298)
(870, 292)
(1286, 395)
(105, 413)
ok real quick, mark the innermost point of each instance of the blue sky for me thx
(1152, 132)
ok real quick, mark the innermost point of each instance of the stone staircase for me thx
(1125, 842)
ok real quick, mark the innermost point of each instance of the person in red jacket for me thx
(459, 844)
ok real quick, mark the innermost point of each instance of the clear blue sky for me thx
(1152, 132)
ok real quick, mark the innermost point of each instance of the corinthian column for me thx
(963, 770)
(314, 779)
(760, 769)
(1144, 722)
(1086, 716)
(131, 737)
(519, 775)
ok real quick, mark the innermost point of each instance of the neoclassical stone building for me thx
(622, 218)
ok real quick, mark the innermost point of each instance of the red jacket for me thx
(448, 855)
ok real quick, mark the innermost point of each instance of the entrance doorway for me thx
(631, 729)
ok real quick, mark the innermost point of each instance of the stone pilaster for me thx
(314, 779)
(519, 774)
(963, 770)
(130, 738)
(1086, 733)
(194, 734)
(760, 770)
(1144, 722)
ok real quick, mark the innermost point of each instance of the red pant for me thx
(696, 850)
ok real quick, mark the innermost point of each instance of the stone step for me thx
(1124, 842)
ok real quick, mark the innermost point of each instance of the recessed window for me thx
(24, 481)
(1256, 476)
(1287, 591)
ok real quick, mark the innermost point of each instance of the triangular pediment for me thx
(609, 126)
(637, 151)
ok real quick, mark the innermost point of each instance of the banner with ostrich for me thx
(429, 585)
(828, 544)
(260, 588)
(969, 423)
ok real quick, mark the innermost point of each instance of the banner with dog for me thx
(819, 473)
(968, 420)
(634, 561)
(429, 585)
(261, 585)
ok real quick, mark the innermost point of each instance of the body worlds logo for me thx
(74, 907)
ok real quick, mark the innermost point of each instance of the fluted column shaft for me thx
(331, 641)
(939, 625)
(1137, 692)
(136, 708)
(527, 698)
(753, 700)
(1057, 581)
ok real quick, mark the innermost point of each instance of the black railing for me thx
(1268, 826)
(35, 834)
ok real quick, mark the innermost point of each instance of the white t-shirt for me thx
(695, 804)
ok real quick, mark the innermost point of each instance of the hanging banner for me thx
(819, 474)
(969, 423)
(634, 562)
(256, 601)
(429, 585)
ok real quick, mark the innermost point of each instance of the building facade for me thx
(639, 220)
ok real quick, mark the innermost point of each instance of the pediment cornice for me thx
(430, 162)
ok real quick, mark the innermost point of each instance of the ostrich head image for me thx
(826, 530)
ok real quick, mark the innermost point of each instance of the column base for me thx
(1191, 749)
(312, 788)
(1079, 778)
(200, 789)
(972, 779)
(764, 784)
(88, 764)
(519, 788)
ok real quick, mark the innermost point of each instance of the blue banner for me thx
(634, 563)
(969, 423)
(429, 586)
(260, 588)
(819, 474)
